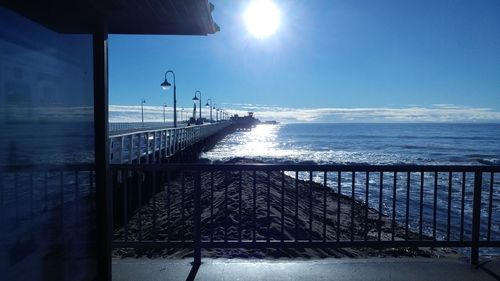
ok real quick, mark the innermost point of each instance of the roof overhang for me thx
(181, 17)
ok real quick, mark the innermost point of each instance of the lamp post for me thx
(194, 113)
(216, 112)
(210, 106)
(182, 114)
(164, 117)
(143, 101)
(165, 85)
(195, 99)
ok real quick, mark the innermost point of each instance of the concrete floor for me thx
(325, 269)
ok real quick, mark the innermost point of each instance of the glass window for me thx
(46, 152)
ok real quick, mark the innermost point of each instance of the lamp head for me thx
(207, 105)
(195, 99)
(165, 85)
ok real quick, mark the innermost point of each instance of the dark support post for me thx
(197, 219)
(104, 203)
(476, 218)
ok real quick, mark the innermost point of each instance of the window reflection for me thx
(46, 152)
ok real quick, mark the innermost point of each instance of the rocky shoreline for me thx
(176, 224)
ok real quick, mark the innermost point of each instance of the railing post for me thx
(168, 143)
(476, 217)
(147, 147)
(197, 219)
(122, 143)
(131, 148)
(139, 149)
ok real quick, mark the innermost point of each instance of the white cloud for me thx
(433, 113)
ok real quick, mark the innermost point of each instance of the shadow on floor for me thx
(193, 271)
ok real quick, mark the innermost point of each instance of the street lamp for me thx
(165, 85)
(164, 117)
(210, 106)
(216, 112)
(143, 101)
(195, 99)
(182, 114)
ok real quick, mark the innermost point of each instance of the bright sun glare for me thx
(262, 18)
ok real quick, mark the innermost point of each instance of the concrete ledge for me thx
(382, 269)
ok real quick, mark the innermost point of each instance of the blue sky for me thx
(437, 58)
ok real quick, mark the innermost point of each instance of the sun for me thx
(262, 18)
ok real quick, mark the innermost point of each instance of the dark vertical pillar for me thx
(476, 218)
(104, 203)
(197, 219)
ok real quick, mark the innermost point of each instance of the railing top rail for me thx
(139, 131)
(309, 167)
(48, 167)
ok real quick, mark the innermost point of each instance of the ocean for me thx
(425, 144)
(385, 144)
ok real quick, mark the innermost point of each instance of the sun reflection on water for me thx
(273, 144)
(261, 142)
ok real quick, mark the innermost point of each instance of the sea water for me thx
(426, 144)
(387, 144)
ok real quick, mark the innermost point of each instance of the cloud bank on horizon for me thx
(433, 113)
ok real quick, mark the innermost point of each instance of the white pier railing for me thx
(149, 146)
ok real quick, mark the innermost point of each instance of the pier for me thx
(152, 144)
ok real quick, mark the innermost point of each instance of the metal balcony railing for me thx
(57, 197)
(305, 206)
(270, 206)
